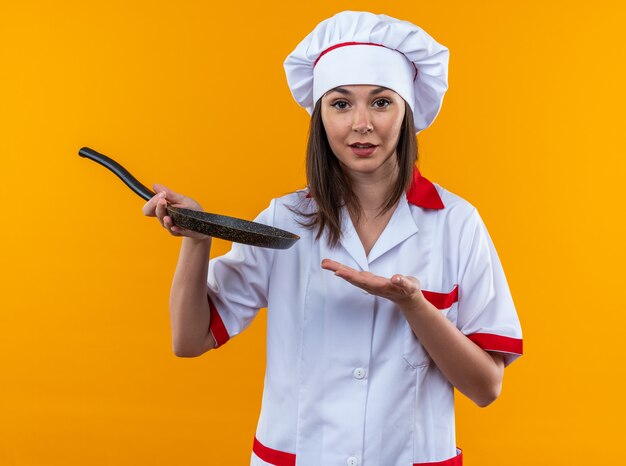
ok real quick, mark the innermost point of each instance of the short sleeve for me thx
(238, 284)
(486, 312)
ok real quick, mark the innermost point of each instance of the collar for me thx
(423, 193)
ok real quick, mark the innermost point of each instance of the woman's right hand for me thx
(156, 207)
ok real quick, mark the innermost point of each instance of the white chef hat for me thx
(355, 47)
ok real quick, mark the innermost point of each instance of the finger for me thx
(408, 285)
(370, 282)
(174, 230)
(364, 280)
(334, 266)
(168, 223)
(358, 277)
(353, 280)
(149, 208)
(161, 209)
(180, 231)
(341, 270)
(170, 195)
(328, 264)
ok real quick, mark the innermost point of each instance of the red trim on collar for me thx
(423, 193)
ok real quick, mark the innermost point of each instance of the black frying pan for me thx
(218, 226)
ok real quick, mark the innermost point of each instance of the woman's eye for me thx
(340, 104)
(382, 103)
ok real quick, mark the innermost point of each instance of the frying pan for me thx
(218, 226)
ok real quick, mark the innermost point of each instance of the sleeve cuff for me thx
(216, 326)
(513, 347)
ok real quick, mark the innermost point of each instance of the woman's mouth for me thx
(363, 150)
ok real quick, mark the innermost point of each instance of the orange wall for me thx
(193, 95)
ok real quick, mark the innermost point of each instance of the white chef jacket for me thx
(347, 381)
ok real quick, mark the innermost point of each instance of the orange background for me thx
(193, 95)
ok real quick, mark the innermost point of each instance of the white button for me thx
(352, 461)
(359, 373)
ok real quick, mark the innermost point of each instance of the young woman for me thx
(393, 295)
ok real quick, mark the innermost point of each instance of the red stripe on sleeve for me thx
(490, 342)
(442, 300)
(275, 457)
(216, 326)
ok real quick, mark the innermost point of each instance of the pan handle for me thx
(120, 171)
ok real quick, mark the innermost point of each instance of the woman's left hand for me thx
(400, 289)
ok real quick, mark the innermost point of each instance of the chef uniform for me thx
(347, 382)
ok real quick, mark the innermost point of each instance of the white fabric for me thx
(345, 375)
(364, 64)
(345, 65)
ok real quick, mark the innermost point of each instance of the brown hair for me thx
(330, 187)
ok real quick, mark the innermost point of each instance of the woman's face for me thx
(363, 115)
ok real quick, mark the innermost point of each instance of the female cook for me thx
(393, 295)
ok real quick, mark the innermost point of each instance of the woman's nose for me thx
(362, 122)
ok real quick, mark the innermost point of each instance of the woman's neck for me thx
(373, 189)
